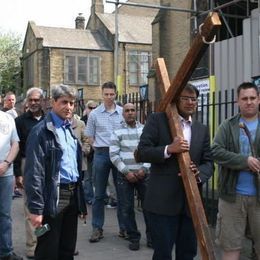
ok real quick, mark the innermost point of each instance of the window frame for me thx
(137, 75)
(80, 70)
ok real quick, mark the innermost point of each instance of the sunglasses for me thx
(91, 107)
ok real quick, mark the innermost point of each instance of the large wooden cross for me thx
(170, 92)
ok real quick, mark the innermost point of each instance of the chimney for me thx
(80, 22)
(97, 6)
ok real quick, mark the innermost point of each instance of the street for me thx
(111, 247)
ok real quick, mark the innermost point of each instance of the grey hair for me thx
(34, 89)
(63, 90)
(9, 93)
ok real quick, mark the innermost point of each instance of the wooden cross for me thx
(170, 92)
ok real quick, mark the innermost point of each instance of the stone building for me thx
(84, 57)
(122, 46)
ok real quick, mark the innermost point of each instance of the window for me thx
(81, 70)
(29, 71)
(70, 69)
(138, 67)
(93, 70)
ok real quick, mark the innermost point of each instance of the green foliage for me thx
(10, 66)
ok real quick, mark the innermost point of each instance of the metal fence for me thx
(212, 109)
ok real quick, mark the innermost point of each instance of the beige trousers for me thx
(31, 239)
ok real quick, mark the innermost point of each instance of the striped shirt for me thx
(102, 123)
(124, 141)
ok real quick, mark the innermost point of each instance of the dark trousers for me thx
(59, 243)
(101, 170)
(167, 231)
(126, 199)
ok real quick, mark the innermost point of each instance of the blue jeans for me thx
(126, 197)
(167, 231)
(88, 183)
(101, 169)
(6, 192)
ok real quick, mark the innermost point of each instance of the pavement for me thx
(111, 247)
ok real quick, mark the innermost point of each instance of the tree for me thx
(10, 66)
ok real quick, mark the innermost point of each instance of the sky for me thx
(15, 14)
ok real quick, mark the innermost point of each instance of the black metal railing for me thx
(213, 109)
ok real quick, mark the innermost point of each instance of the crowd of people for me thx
(63, 162)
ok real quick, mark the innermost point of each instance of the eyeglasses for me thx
(91, 107)
(186, 99)
(34, 100)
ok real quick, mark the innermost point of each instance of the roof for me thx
(132, 29)
(71, 38)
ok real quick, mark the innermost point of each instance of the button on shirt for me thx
(102, 123)
(186, 127)
(68, 167)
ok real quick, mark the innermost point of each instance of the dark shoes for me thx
(112, 203)
(122, 233)
(134, 246)
(97, 234)
(149, 244)
(13, 256)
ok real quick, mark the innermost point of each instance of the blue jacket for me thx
(41, 175)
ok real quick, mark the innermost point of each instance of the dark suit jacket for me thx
(165, 192)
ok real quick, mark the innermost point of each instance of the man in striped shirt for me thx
(131, 175)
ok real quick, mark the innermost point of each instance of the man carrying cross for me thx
(165, 201)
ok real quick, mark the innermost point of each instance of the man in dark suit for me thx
(165, 201)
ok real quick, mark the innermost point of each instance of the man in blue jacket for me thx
(53, 178)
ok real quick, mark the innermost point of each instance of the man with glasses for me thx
(91, 104)
(88, 175)
(24, 124)
(165, 201)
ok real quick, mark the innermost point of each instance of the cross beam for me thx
(170, 92)
(192, 59)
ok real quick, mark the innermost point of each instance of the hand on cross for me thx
(179, 145)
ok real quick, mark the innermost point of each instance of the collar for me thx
(125, 125)
(103, 108)
(58, 122)
(30, 114)
(189, 121)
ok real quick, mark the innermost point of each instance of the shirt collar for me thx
(58, 122)
(117, 108)
(189, 121)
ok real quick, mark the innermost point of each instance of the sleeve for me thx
(34, 174)
(149, 149)
(18, 159)
(14, 136)
(206, 166)
(222, 152)
(114, 153)
(84, 140)
(90, 128)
